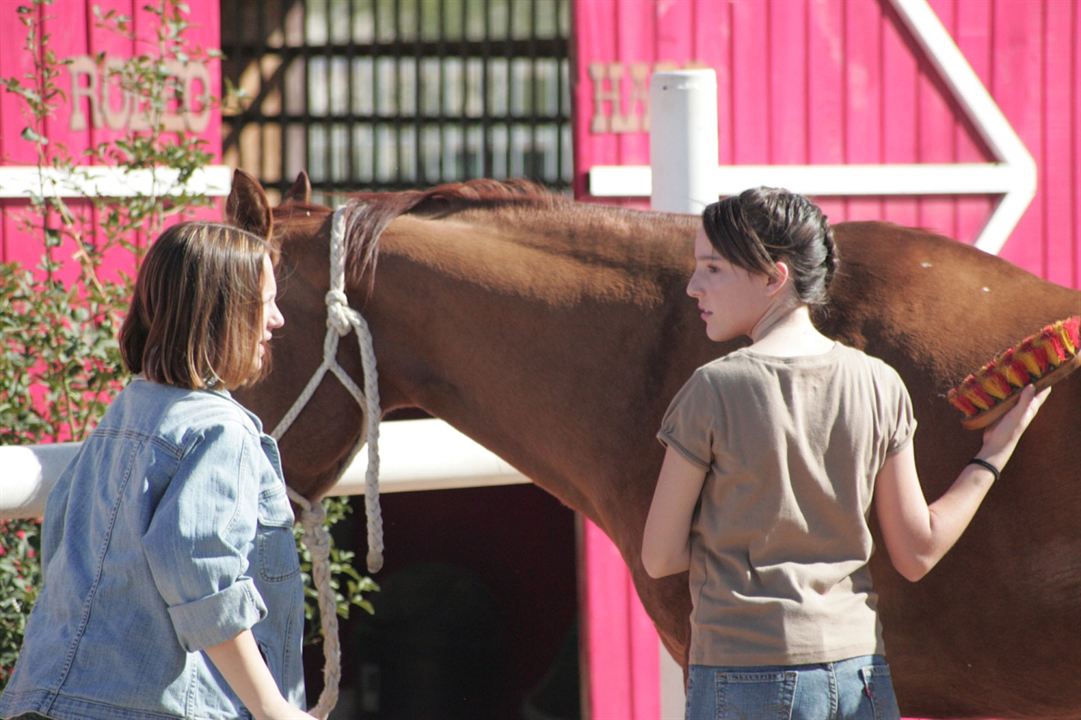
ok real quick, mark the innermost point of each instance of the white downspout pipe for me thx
(683, 162)
(683, 139)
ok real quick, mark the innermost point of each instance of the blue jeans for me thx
(854, 689)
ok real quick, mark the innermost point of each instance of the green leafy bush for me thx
(20, 578)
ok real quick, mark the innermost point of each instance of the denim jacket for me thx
(169, 532)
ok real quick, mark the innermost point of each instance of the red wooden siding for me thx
(836, 81)
(71, 25)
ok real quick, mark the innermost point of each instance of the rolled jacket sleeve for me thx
(200, 537)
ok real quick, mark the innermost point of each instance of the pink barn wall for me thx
(71, 25)
(835, 81)
(814, 82)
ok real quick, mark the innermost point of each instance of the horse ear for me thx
(300, 190)
(248, 207)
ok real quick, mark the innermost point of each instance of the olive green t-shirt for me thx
(779, 539)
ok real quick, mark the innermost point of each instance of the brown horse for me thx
(555, 333)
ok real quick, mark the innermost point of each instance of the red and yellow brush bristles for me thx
(1041, 359)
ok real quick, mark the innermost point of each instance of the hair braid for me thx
(832, 260)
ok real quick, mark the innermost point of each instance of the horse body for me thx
(555, 334)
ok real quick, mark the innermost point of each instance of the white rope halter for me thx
(340, 320)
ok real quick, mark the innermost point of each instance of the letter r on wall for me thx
(83, 65)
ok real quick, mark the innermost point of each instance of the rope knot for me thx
(340, 316)
(317, 540)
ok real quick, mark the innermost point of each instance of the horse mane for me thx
(367, 214)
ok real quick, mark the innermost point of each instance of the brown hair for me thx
(761, 226)
(196, 313)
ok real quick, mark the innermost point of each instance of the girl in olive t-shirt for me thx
(775, 455)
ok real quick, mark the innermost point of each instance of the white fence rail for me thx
(414, 455)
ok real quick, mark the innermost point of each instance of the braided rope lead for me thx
(317, 540)
(340, 320)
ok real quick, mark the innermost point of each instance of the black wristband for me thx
(987, 466)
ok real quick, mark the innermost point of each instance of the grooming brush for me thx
(1041, 359)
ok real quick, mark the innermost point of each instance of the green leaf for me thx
(27, 94)
(30, 135)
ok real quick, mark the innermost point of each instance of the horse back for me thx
(936, 310)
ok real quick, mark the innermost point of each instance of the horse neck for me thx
(548, 352)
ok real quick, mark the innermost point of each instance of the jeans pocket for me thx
(752, 695)
(878, 685)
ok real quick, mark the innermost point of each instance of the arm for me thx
(666, 543)
(918, 535)
(242, 666)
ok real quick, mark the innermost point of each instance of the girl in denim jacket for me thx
(775, 453)
(172, 587)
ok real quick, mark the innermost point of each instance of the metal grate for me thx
(393, 94)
